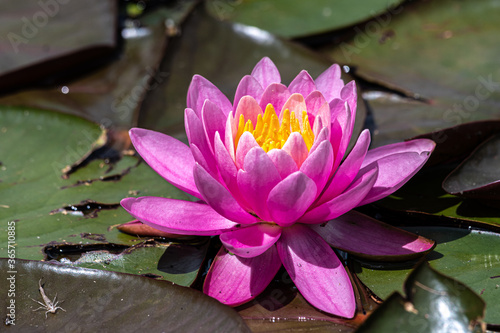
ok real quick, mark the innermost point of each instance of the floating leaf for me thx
(433, 303)
(97, 301)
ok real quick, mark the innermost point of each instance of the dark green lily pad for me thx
(224, 61)
(470, 256)
(479, 175)
(43, 38)
(95, 300)
(112, 95)
(433, 303)
(298, 18)
(48, 210)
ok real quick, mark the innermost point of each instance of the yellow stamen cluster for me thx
(270, 134)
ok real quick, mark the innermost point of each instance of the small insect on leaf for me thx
(50, 306)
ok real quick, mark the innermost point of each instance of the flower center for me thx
(270, 134)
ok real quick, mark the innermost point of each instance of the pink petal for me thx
(348, 169)
(197, 137)
(266, 73)
(364, 236)
(213, 121)
(230, 135)
(302, 84)
(341, 132)
(318, 106)
(219, 198)
(283, 162)
(249, 108)
(290, 199)
(252, 241)
(234, 280)
(296, 147)
(330, 83)
(246, 142)
(316, 271)
(345, 201)
(295, 104)
(227, 169)
(275, 94)
(200, 90)
(395, 169)
(349, 94)
(319, 138)
(318, 165)
(256, 180)
(178, 216)
(167, 156)
(248, 86)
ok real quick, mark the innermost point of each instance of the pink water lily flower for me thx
(271, 170)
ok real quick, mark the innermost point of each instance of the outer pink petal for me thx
(283, 162)
(252, 241)
(234, 280)
(395, 170)
(316, 271)
(213, 121)
(302, 84)
(178, 216)
(248, 86)
(343, 203)
(275, 94)
(249, 108)
(197, 137)
(364, 236)
(349, 169)
(349, 94)
(419, 146)
(330, 83)
(318, 165)
(266, 73)
(256, 180)
(200, 90)
(227, 169)
(296, 147)
(219, 198)
(246, 142)
(290, 199)
(167, 156)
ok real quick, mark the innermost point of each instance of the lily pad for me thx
(433, 303)
(95, 300)
(470, 256)
(47, 210)
(298, 18)
(479, 175)
(46, 37)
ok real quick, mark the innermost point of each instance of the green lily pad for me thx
(47, 211)
(469, 256)
(298, 18)
(99, 301)
(434, 303)
(479, 175)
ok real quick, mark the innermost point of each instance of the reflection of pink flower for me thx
(271, 169)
